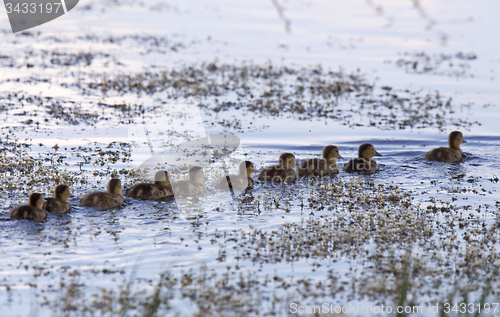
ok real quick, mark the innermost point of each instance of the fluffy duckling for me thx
(32, 211)
(160, 189)
(321, 166)
(450, 154)
(112, 199)
(242, 181)
(364, 162)
(283, 172)
(192, 186)
(59, 203)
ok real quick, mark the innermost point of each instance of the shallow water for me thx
(454, 207)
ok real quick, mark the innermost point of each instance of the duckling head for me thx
(36, 200)
(456, 138)
(62, 192)
(196, 174)
(331, 152)
(115, 186)
(162, 179)
(367, 151)
(287, 160)
(246, 169)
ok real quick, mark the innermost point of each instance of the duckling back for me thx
(278, 174)
(317, 167)
(444, 154)
(28, 212)
(112, 199)
(235, 181)
(187, 188)
(147, 191)
(361, 165)
(103, 200)
(56, 206)
(192, 186)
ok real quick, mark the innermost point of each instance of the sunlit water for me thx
(102, 250)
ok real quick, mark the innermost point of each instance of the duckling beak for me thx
(463, 141)
(377, 153)
(341, 157)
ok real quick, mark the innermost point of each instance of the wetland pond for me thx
(282, 76)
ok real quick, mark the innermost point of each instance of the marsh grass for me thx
(209, 295)
(279, 90)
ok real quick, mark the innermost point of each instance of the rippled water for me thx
(428, 49)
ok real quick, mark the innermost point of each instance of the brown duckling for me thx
(33, 211)
(242, 181)
(112, 199)
(283, 172)
(364, 162)
(450, 154)
(59, 203)
(321, 166)
(192, 186)
(160, 189)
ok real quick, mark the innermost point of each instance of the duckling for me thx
(161, 189)
(321, 166)
(32, 211)
(59, 203)
(364, 162)
(112, 199)
(242, 181)
(192, 186)
(450, 154)
(283, 172)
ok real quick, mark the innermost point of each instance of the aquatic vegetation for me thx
(399, 252)
(302, 93)
(452, 65)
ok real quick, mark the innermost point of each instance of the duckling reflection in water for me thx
(112, 199)
(192, 186)
(32, 211)
(450, 154)
(321, 166)
(160, 189)
(242, 181)
(364, 162)
(59, 203)
(282, 172)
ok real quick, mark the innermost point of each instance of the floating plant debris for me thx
(452, 65)
(304, 94)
